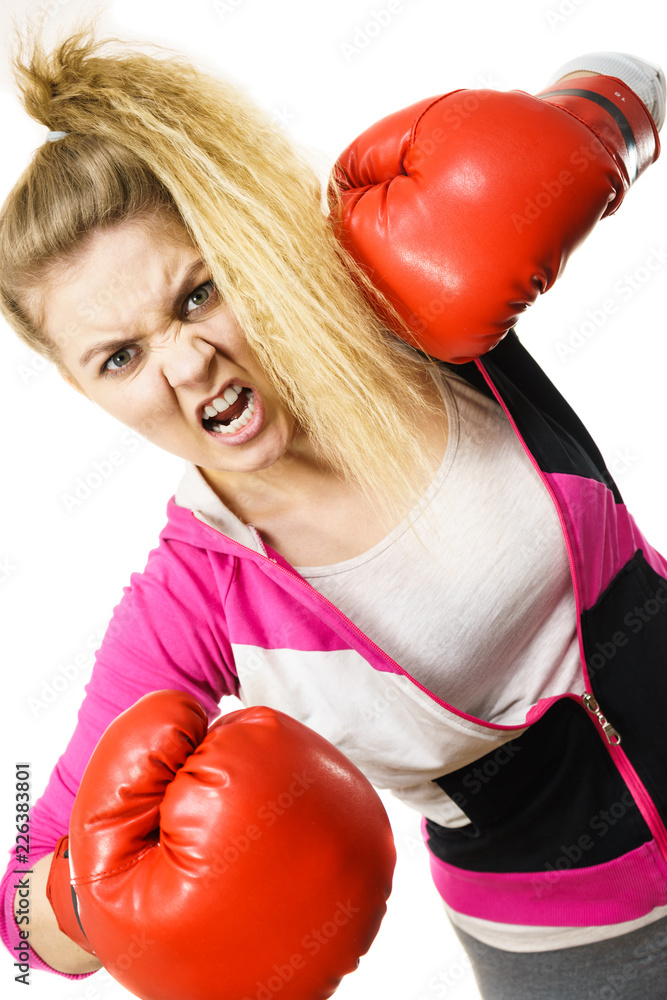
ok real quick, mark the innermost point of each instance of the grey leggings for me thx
(631, 967)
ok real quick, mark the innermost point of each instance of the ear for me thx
(71, 381)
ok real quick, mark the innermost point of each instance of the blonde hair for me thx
(153, 134)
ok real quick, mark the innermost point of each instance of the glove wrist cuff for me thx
(60, 894)
(645, 79)
(616, 115)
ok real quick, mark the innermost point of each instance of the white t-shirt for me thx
(480, 607)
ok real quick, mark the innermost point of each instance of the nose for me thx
(187, 360)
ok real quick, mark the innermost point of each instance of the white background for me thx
(63, 570)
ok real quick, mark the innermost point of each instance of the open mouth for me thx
(230, 411)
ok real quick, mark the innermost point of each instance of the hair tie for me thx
(54, 136)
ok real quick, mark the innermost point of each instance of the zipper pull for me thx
(591, 704)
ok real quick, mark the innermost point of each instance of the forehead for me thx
(126, 253)
(120, 273)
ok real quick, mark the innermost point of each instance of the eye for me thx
(119, 359)
(201, 297)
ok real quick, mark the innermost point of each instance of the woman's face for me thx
(142, 332)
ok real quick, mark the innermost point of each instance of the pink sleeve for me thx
(167, 632)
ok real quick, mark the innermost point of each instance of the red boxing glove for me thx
(462, 209)
(230, 864)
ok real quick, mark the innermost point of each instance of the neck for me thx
(298, 477)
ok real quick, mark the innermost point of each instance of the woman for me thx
(232, 300)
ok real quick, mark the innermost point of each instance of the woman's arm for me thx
(169, 631)
(46, 938)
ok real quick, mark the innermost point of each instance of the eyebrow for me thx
(110, 346)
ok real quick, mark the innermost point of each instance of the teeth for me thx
(222, 403)
(240, 421)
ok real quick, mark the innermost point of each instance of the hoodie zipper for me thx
(629, 775)
(610, 736)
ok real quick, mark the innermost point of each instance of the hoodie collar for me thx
(195, 494)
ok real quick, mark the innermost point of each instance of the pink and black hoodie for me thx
(568, 826)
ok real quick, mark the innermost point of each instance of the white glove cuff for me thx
(646, 79)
